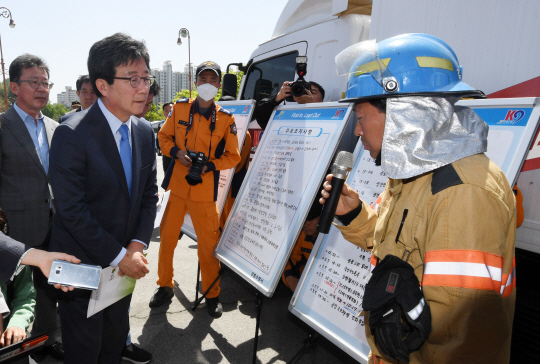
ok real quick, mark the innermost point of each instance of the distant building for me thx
(67, 97)
(171, 82)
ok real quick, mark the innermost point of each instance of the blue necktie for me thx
(125, 154)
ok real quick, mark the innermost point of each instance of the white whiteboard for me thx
(330, 291)
(274, 199)
(242, 111)
(512, 125)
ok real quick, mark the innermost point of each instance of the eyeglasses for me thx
(35, 84)
(135, 81)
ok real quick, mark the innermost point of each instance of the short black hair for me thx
(165, 104)
(24, 62)
(321, 89)
(117, 50)
(154, 89)
(82, 79)
(380, 104)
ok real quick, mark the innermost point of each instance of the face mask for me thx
(207, 91)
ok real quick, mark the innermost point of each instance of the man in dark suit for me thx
(25, 136)
(103, 175)
(86, 93)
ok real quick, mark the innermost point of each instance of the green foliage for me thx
(155, 113)
(11, 97)
(185, 93)
(54, 111)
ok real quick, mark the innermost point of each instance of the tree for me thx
(11, 95)
(54, 111)
(185, 93)
(155, 113)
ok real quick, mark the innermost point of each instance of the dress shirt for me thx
(115, 125)
(38, 135)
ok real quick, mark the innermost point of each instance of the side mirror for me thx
(230, 85)
(263, 88)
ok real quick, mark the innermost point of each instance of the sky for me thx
(62, 31)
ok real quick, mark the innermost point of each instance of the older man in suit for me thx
(103, 175)
(25, 136)
(86, 93)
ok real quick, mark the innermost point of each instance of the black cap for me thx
(75, 103)
(209, 65)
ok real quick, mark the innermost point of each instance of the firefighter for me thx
(201, 138)
(442, 289)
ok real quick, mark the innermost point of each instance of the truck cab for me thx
(316, 29)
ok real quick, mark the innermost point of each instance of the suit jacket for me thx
(24, 192)
(11, 252)
(69, 114)
(95, 216)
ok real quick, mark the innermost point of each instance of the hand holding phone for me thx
(76, 275)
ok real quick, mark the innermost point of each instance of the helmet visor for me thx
(362, 58)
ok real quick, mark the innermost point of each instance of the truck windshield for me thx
(266, 77)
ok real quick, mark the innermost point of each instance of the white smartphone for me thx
(77, 275)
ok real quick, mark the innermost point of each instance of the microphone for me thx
(341, 168)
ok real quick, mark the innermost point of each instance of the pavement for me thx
(175, 334)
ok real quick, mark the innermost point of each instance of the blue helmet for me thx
(405, 65)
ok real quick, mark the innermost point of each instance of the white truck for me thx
(496, 43)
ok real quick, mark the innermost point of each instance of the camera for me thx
(299, 87)
(198, 161)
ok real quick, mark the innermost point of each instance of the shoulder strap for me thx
(444, 177)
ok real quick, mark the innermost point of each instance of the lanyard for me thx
(212, 125)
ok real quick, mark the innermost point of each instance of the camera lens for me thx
(298, 89)
(58, 271)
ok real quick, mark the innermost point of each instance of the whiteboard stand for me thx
(197, 299)
(258, 304)
(310, 341)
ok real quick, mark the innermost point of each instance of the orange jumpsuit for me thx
(238, 178)
(198, 200)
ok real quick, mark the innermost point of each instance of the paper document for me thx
(162, 204)
(112, 288)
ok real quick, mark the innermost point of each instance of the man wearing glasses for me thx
(25, 136)
(103, 176)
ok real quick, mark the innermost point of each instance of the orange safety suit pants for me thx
(205, 219)
(227, 207)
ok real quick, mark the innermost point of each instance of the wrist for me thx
(278, 98)
(135, 246)
(347, 218)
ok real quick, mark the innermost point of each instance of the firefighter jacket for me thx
(459, 226)
(223, 149)
(299, 256)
